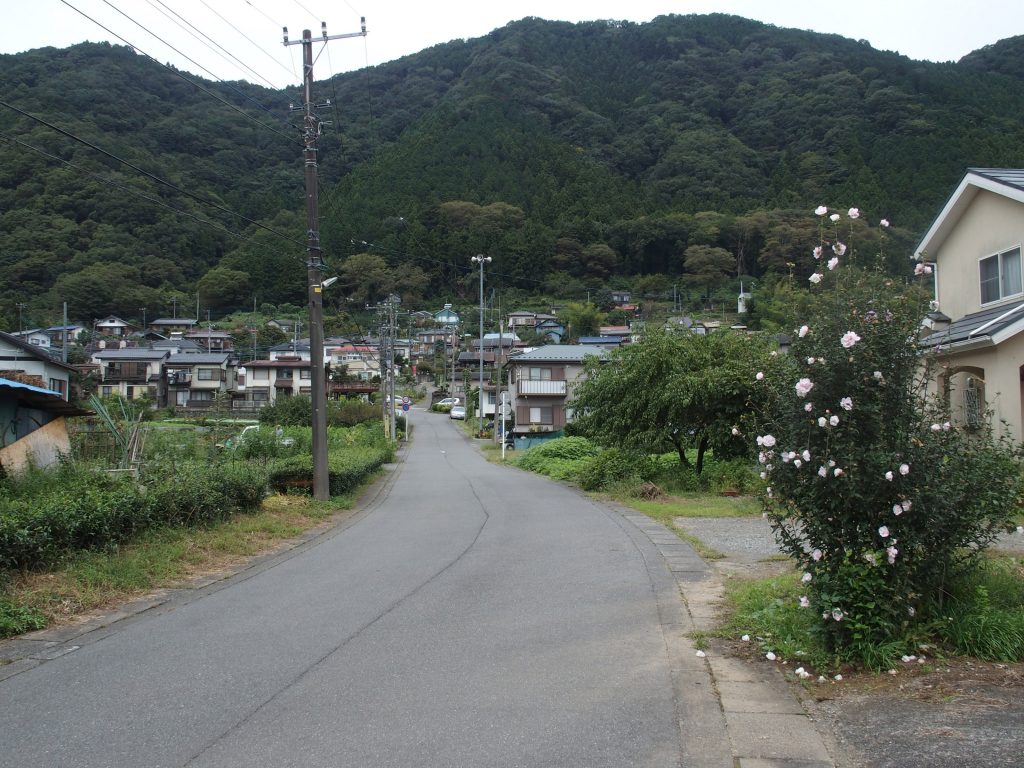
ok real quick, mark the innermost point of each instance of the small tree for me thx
(872, 490)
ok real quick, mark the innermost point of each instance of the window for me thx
(260, 374)
(58, 385)
(541, 415)
(208, 374)
(284, 373)
(1000, 276)
(304, 373)
(107, 391)
(540, 374)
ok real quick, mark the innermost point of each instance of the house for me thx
(541, 383)
(522, 320)
(165, 326)
(621, 297)
(37, 337)
(552, 330)
(113, 326)
(132, 373)
(360, 361)
(194, 379)
(285, 326)
(23, 362)
(446, 317)
(291, 350)
(64, 334)
(212, 341)
(34, 431)
(262, 381)
(973, 252)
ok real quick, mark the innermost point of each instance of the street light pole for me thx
(481, 260)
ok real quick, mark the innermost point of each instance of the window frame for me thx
(1000, 275)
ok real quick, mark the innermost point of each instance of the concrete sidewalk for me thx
(733, 713)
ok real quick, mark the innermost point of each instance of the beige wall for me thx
(999, 369)
(991, 224)
(41, 448)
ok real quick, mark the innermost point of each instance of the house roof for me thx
(278, 364)
(131, 353)
(302, 346)
(43, 399)
(34, 351)
(988, 327)
(198, 358)
(1008, 182)
(557, 353)
(172, 321)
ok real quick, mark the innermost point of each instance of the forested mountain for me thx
(690, 148)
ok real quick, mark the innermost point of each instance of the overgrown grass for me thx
(695, 505)
(983, 618)
(157, 558)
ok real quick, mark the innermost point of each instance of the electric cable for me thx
(251, 41)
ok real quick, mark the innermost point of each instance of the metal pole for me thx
(481, 259)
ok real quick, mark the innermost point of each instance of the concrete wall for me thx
(40, 448)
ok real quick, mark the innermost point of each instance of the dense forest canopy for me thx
(690, 149)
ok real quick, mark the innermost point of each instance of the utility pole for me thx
(21, 321)
(312, 128)
(481, 260)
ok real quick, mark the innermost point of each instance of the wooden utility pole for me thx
(312, 128)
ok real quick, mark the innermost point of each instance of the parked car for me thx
(448, 402)
(457, 412)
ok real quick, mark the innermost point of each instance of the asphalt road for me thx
(474, 615)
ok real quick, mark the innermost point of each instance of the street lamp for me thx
(481, 260)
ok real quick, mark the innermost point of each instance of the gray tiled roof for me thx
(198, 358)
(1011, 177)
(559, 353)
(131, 353)
(976, 326)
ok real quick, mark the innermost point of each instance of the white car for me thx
(449, 402)
(457, 412)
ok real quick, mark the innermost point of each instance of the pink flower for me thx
(803, 331)
(888, 476)
(904, 469)
(816, 555)
(936, 427)
(815, 278)
(839, 249)
(834, 217)
(883, 532)
(846, 403)
(768, 441)
(833, 262)
(804, 602)
(806, 577)
(897, 510)
(810, 361)
(803, 387)
(817, 251)
(849, 339)
(806, 454)
(821, 210)
(838, 472)
(892, 552)
(837, 614)
(759, 376)
(809, 407)
(833, 420)
(853, 213)
(822, 472)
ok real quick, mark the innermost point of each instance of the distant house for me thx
(291, 350)
(132, 373)
(23, 362)
(621, 297)
(34, 431)
(37, 337)
(522, 320)
(194, 380)
(361, 361)
(285, 326)
(541, 383)
(212, 341)
(64, 334)
(609, 342)
(113, 326)
(552, 330)
(973, 252)
(263, 381)
(165, 326)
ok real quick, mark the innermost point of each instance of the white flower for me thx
(803, 331)
(877, 375)
(822, 472)
(797, 463)
(838, 249)
(883, 223)
(849, 339)
(904, 469)
(911, 611)
(870, 557)
(821, 421)
(883, 532)
(936, 427)
(803, 387)
(768, 491)
(701, 654)
(809, 407)
(897, 510)
(821, 679)
(810, 361)
(762, 458)
(853, 213)
(767, 441)
(764, 475)
(759, 376)
(770, 656)
(833, 420)
(846, 403)
(817, 252)
(804, 602)
(735, 431)
(831, 462)
(816, 555)
(815, 278)
(837, 614)
(806, 577)
(946, 426)
(833, 262)
(745, 638)
(806, 454)
(834, 217)
(821, 210)
(838, 472)
(838, 678)
(888, 476)
(892, 552)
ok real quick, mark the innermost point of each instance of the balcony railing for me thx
(530, 387)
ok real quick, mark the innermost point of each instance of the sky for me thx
(241, 39)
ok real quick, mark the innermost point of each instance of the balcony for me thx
(550, 388)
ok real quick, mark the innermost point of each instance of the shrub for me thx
(871, 489)
(561, 458)
(615, 466)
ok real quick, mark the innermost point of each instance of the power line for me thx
(251, 41)
(195, 34)
(178, 74)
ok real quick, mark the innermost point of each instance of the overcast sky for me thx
(249, 31)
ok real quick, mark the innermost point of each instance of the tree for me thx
(673, 391)
(581, 320)
(708, 268)
(223, 287)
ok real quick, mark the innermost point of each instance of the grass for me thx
(159, 558)
(696, 505)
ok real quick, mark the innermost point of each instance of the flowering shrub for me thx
(871, 488)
